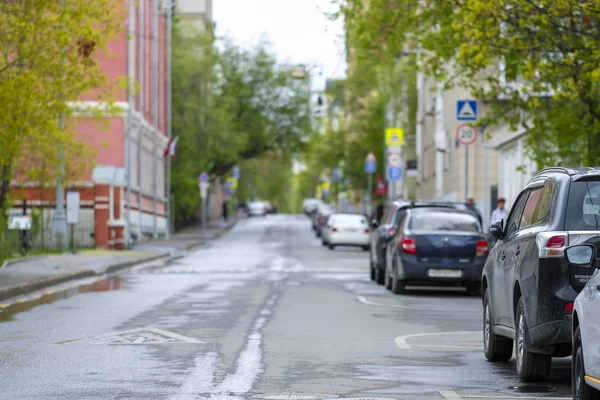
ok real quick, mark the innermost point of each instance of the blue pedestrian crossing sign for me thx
(395, 173)
(370, 167)
(370, 163)
(466, 110)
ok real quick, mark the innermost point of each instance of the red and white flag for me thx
(171, 150)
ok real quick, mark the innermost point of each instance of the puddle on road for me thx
(28, 302)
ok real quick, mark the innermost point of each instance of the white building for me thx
(497, 158)
(197, 12)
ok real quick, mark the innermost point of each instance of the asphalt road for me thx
(265, 312)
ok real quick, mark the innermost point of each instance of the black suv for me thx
(385, 230)
(528, 285)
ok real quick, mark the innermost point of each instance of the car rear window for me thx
(342, 219)
(583, 206)
(444, 221)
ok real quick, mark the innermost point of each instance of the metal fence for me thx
(40, 236)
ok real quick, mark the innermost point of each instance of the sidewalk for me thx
(21, 276)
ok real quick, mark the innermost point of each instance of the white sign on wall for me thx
(73, 206)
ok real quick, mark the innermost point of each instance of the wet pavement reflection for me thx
(26, 303)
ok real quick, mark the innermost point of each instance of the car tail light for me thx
(367, 230)
(392, 231)
(569, 308)
(333, 229)
(551, 244)
(482, 248)
(409, 246)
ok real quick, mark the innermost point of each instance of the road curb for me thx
(41, 283)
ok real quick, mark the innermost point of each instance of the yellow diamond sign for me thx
(394, 137)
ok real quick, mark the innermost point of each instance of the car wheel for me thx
(318, 234)
(531, 367)
(388, 280)
(379, 276)
(366, 248)
(495, 348)
(398, 286)
(372, 272)
(323, 242)
(581, 390)
(331, 247)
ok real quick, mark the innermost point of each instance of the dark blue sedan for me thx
(438, 247)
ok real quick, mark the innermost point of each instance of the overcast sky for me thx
(299, 31)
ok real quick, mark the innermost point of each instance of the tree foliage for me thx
(538, 59)
(230, 105)
(47, 60)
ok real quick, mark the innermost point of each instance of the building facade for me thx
(496, 165)
(196, 12)
(126, 190)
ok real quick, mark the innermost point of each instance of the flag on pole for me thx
(171, 149)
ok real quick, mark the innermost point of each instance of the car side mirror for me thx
(581, 255)
(375, 224)
(497, 229)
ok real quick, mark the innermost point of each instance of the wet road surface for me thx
(265, 312)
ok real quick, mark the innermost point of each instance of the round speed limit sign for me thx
(466, 134)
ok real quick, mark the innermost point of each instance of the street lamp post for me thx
(59, 218)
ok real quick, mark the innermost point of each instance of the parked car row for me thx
(336, 228)
(541, 282)
(418, 243)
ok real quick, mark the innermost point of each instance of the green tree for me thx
(47, 51)
(548, 52)
(231, 105)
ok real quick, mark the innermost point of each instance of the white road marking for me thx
(450, 395)
(366, 301)
(512, 398)
(401, 340)
(448, 347)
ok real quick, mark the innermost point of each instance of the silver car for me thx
(347, 230)
(586, 322)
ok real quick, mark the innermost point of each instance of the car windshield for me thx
(350, 220)
(583, 206)
(444, 221)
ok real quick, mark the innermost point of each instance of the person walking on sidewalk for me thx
(500, 212)
(473, 208)
(225, 210)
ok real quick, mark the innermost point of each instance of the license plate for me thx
(444, 273)
(350, 230)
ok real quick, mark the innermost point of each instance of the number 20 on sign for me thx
(466, 134)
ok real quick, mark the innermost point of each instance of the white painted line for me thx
(401, 340)
(366, 301)
(450, 395)
(513, 398)
(448, 347)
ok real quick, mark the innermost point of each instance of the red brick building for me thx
(107, 201)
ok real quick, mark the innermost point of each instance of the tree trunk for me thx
(5, 176)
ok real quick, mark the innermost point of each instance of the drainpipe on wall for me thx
(130, 110)
(169, 133)
(155, 117)
(440, 141)
(420, 117)
(140, 170)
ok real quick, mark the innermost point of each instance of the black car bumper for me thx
(552, 337)
(409, 269)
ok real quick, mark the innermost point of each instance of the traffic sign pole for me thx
(466, 135)
(370, 168)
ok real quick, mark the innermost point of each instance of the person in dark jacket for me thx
(225, 210)
(472, 207)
